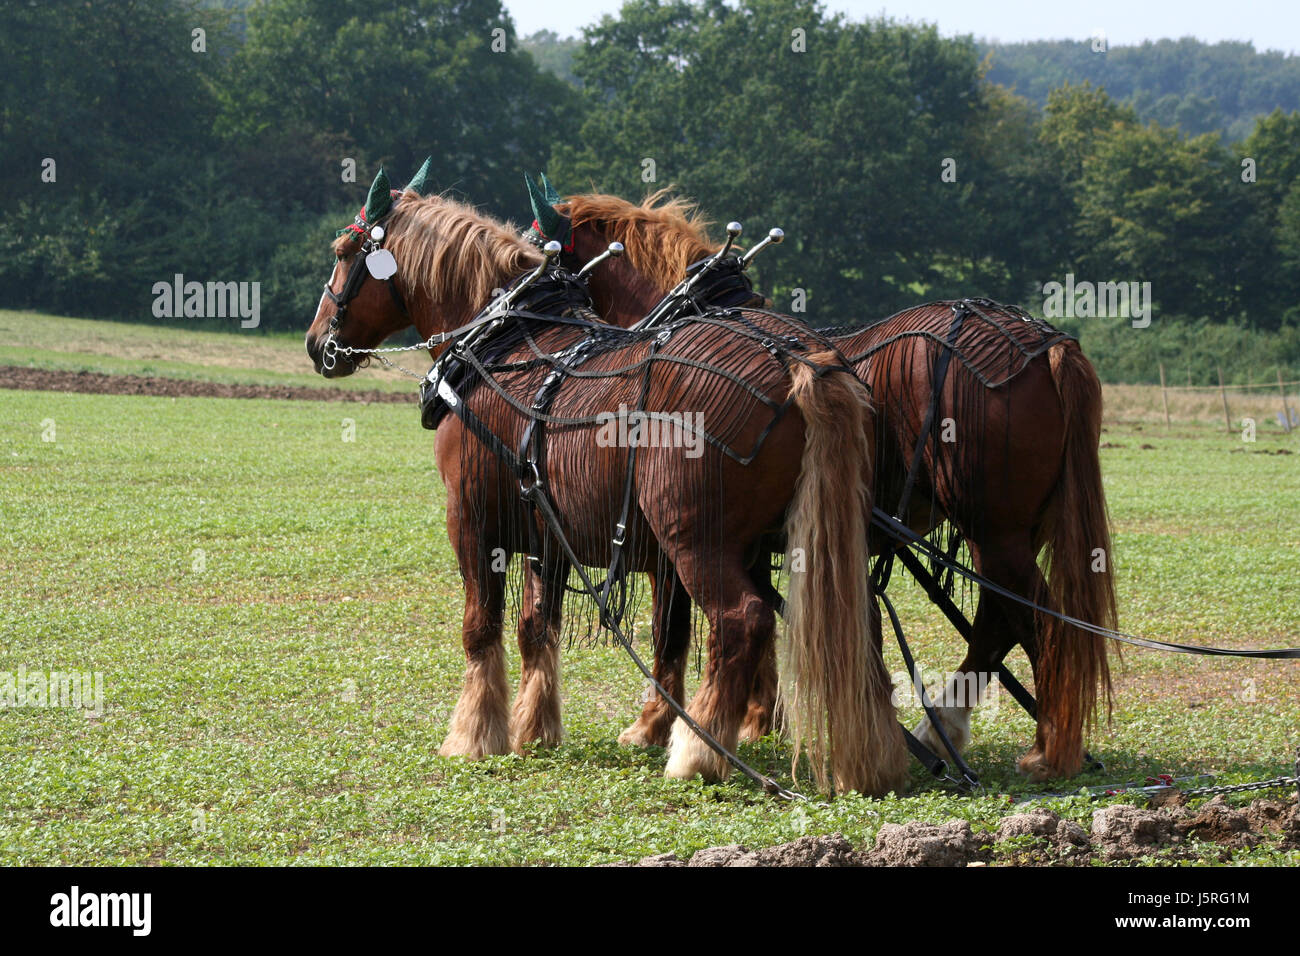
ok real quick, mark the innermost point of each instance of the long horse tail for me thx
(1073, 665)
(838, 696)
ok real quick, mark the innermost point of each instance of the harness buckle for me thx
(620, 534)
(529, 484)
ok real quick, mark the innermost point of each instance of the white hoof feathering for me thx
(689, 756)
(479, 724)
(955, 719)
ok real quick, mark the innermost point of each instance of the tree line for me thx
(147, 138)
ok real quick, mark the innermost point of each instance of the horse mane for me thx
(662, 235)
(450, 250)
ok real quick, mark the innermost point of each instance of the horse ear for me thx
(420, 182)
(552, 196)
(380, 199)
(550, 222)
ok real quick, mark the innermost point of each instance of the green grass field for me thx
(276, 614)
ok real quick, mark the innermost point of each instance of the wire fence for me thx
(1270, 404)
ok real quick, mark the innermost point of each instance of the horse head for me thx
(663, 235)
(409, 259)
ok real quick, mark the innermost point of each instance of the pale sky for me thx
(1269, 24)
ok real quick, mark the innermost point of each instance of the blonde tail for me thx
(838, 694)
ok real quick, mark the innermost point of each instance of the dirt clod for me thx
(1218, 822)
(831, 850)
(1071, 838)
(1123, 833)
(718, 855)
(1037, 837)
(1271, 815)
(662, 859)
(1170, 798)
(924, 844)
(1035, 823)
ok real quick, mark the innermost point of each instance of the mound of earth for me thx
(97, 383)
(1037, 837)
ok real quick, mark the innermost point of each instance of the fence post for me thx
(1286, 411)
(1224, 395)
(1164, 396)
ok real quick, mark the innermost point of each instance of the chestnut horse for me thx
(695, 520)
(1010, 460)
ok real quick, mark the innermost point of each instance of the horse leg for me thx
(1019, 572)
(743, 628)
(1000, 624)
(536, 714)
(478, 724)
(671, 632)
(760, 717)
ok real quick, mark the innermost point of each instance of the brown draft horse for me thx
(696, 521)
(1017, 475)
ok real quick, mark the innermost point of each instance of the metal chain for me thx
(400, 368)
(1169, 783)
(428, 343)
(333, 349)
(1243, 787)
(1275, 783)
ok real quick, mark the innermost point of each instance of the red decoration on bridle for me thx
(536, 227)
(359, 226)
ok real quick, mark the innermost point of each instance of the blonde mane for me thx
(662, 235)
(452, 252)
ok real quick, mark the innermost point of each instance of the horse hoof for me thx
(633, 737)
(535, 741)
(686, 769)
(755, 729)
(689, 756)
(1034, 766)
(474, 746)
(959, 734)
(639, 735)
(471, 750)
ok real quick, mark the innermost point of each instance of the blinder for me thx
(371, 260)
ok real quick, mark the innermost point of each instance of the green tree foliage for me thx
(1014, 206)
(1156, 207)
(553, 53)
(779, 114)
(393, 81)
(1273, 217)
(903, 165)
(1200, 87)
(115, 96)
(224, 163)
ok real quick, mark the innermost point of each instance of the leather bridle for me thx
(372, 239)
